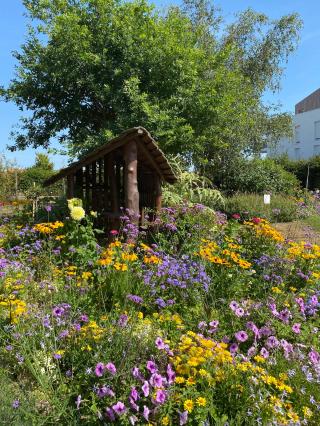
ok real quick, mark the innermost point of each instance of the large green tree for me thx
(89, 69)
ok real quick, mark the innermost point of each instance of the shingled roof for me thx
(142, 136)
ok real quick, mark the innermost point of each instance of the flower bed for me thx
(205, 321)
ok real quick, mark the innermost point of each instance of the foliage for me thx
(90, 69)
(32, 178)
(306, 171)
(9, 174)
(190, 188)
(257, 176)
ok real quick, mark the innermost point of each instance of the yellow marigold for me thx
(165, 421)
(188, 405)
(77, 213)
(179, 380)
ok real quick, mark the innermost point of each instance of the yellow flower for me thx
(201, 401)
(307, 412)
(77, 213)
(179, 380)
(165, 421)
(188, 405)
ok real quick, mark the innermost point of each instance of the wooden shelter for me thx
(126, 172)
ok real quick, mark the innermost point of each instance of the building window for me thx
(316, 149)
(297, 153)
(317, 129)
(297, 134)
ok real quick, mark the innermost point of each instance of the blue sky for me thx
(301, 77)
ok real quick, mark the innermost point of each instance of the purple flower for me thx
(234, 305)
(111, 368)
(134, 298)
(264, 353)
(99, 370)
(16, 403)
(296, 328)
(314, 357)
(146, 412)
(241, 336)
(171, 374)
(183, 418)
(119, 408)
(202, 325)
(110, 414)
(78, 401)
(151, 366)
(104, 391)
(160, 396)
(239, 312)
(272, 342)
(160, 343)
(123, 320)
(145, 389)
(156, 380)
(233, 348)
(134, 394)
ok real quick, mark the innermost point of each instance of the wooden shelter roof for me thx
(145, 143)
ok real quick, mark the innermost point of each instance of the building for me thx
(306, 140)
(125, 172)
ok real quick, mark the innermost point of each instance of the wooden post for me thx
(131, 177)
(70, 186)
(158, 194)
(114, 191)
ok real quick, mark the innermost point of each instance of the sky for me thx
(301, 76)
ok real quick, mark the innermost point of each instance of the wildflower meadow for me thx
(194, 320)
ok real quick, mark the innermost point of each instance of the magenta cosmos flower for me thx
(241, 336)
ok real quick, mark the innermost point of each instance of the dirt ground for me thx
(298, 231)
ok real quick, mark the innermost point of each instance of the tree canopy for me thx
(90, 69)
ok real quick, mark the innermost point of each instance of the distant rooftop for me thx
(309, 103)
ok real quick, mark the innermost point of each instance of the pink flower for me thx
(256, 220)
(114, 232)
(146, 412)
(156, 380)
(236, 216)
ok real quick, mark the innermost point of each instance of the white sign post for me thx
(266, 199)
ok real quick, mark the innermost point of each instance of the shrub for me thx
(257, 176)
(307, 178)
(281, 209)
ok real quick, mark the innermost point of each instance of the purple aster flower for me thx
(111, 368)
(99, 370)
(119, 408)
(123, 320)
(241, 336)
(134, 298)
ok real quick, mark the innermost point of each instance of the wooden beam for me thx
(158, 194)
(151, 160)
(131, 177)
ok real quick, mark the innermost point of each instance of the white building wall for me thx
(306, 140)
